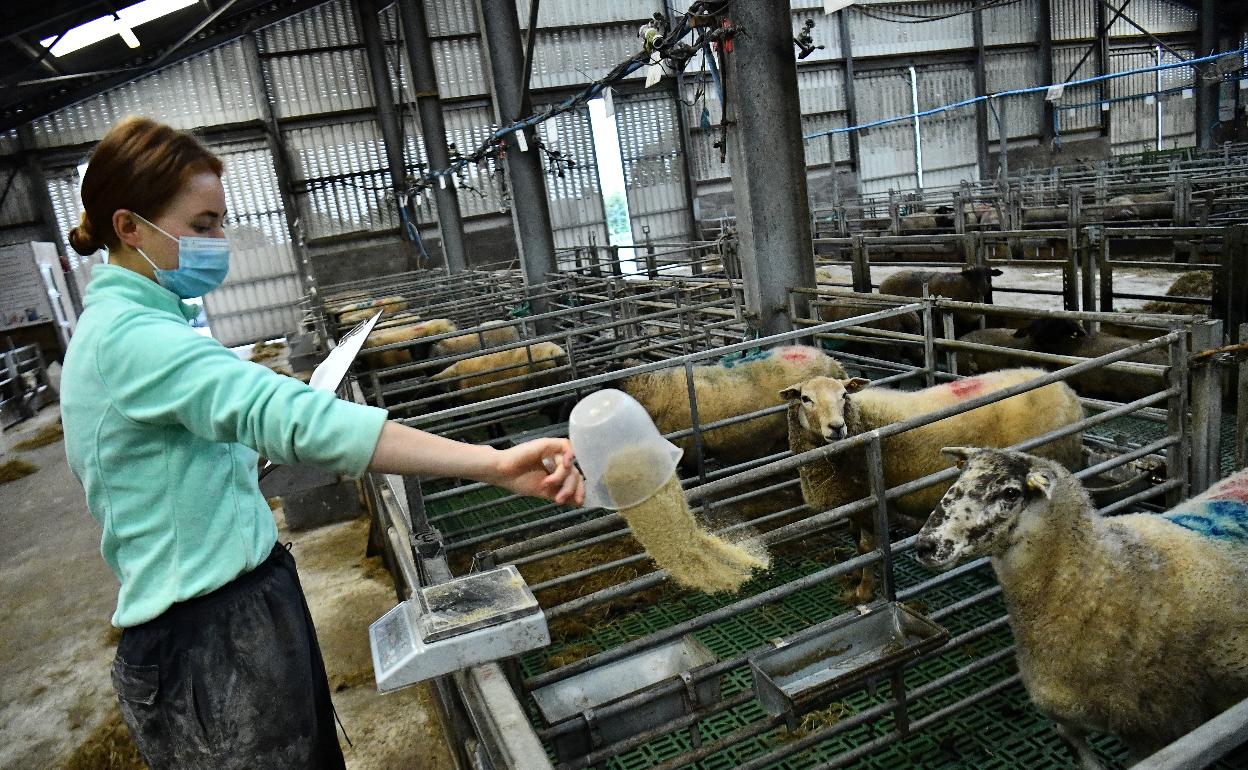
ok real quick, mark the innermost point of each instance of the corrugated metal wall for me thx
(575, 194)
(1133, 123)
(654, 171)
(259, 297)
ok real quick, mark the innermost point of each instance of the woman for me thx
(218, 664)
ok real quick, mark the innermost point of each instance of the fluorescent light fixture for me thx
(127, 35)
(122, 24)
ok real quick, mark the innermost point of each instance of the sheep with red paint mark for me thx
(823, 410)
(1132, 625)
(729, 389)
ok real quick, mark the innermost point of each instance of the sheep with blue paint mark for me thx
(728, 389)
(1133, 625)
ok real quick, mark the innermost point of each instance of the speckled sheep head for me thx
(980, 514)
(821, 403)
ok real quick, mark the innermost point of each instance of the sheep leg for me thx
(866, 581)
(1076, 740)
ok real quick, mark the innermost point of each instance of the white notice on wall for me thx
(1055, 92)
(522, 141)
(23, 294)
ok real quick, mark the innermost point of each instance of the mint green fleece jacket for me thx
(162, 428)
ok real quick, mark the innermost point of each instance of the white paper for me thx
(442, 181)
(1055, 92)
(522, 141)
(654, 73)
(1104, 106)
(608, 104)
(552, 131)
(1150, 99)
(1187, 93)
(832, 6)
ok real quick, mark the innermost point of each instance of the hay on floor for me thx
(16, 469)
(48, 434)
(108, 747)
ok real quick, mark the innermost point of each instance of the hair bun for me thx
(83, 240)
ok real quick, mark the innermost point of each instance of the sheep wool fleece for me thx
(162, 429)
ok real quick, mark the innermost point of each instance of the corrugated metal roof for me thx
(872, 36)
(315, 83)
(330, 24)
(212, 88)
(571, 13)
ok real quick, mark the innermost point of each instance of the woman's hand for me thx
(520, 469)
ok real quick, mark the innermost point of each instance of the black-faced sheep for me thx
(730, 389)
(970, 284)
(823, 410)
(1132, 625)
(1065, 337)
(530, 366)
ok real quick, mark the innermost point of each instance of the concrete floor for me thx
(56, 643)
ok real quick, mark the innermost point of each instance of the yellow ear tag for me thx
(962, 463)
(1037, 482)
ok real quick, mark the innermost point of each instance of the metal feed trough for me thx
(910, 702)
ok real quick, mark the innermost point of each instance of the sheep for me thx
(354, 312)
(1065, 337)
(970, 284)
(404, 333)
(906, 322)
(823, 409)
(1139, 206)
(524, 366)
(730, 389)
(1132, 625)
(495, 333)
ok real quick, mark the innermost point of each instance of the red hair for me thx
(139, 165)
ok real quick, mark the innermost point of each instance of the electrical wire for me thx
(1023, 91)
(919, 18)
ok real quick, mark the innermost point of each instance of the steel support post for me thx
(387, 117)
(433, 129)
(981, 88)
(851, 101)
(1207, 87)
(768, 163)
(281, 164)
(1044, 36)
(530, 211)
(1102, 65)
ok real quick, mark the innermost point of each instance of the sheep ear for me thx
(995, 271)
(960, 454)
(856, 384)
(1039, 481)
(791, 393)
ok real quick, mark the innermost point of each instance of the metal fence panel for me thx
(654, 173)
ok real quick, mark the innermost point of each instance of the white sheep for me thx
(730, 389)
(495, 333)
(822, 410)
(1132, 625)
(403, 333)
(354, 312)
(524, 366)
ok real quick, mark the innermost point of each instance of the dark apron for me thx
(231, 679)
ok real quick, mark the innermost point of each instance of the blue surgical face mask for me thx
(202, 264)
